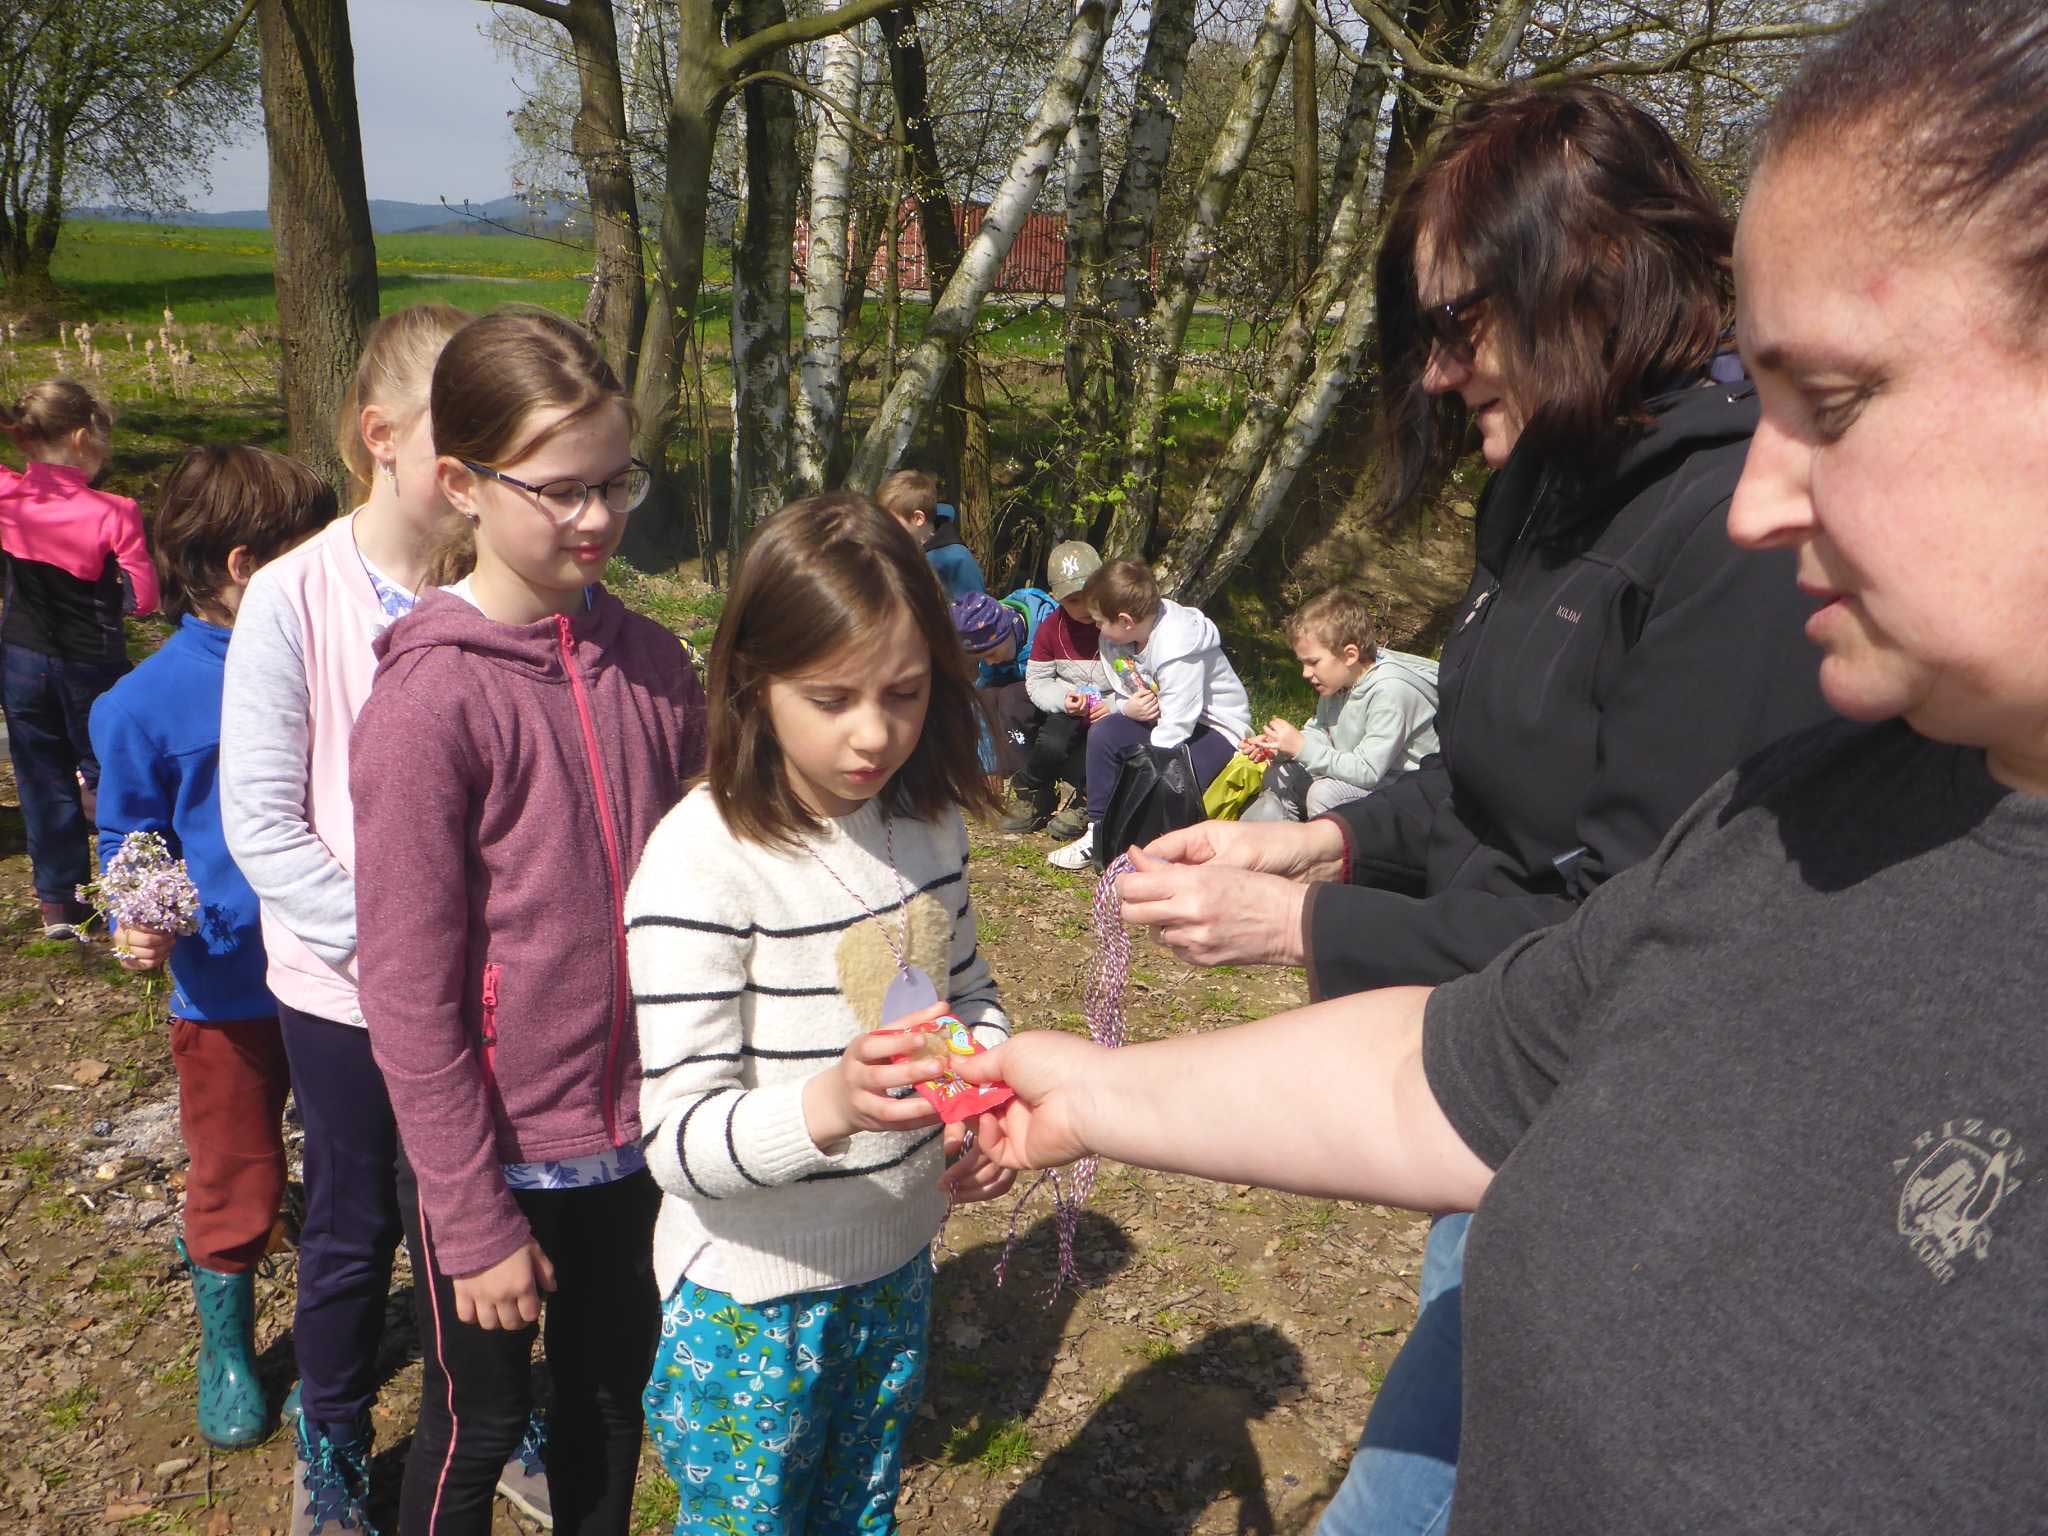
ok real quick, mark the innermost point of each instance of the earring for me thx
(390, 467)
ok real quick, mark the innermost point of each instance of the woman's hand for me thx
(1142, 706)
(1212, 915)
(142, 949)
(1053, 1077)
(853, 1093)
(972, 1176)
(507, 1295)
(1282, 737)
(1295, 850)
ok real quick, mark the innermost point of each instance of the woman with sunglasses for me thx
(523, 737)
(1556, 280)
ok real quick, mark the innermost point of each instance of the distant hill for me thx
(386, 217)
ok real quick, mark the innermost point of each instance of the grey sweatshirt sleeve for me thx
(1373, 733)
(265, 747)
(1042, 682)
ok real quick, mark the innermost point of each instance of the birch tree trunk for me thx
(319, 216)
(1308, 168)
(1344, 268)
(1134, 204)
(1165, 329)
(1087, 386)
(953, 315)
(760, 290)
(821, 385)
(1303, 430)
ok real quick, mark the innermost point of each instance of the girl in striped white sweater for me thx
(807, 899)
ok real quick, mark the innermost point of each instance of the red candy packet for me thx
(954, 1098)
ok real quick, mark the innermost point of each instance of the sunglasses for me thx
(1449, 325)
(562, 501)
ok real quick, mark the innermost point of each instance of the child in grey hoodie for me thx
(1375, 714)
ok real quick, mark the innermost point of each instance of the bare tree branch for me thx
(553, 10)
(217, 52)
(841, 113)
(742, 51)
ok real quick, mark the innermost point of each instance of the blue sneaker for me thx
(524, 1482)
(330, 1478)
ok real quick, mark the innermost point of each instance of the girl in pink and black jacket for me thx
(75, 562)
(524, 735)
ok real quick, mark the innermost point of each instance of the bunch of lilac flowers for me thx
(142, 886)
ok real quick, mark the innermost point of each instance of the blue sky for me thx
(432, 94)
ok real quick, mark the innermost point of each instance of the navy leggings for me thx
(352, 1223)
(1112, 738)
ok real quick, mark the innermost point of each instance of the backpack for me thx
(1156, 792)
(1034, 603)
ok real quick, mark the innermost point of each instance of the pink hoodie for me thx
(505, 779)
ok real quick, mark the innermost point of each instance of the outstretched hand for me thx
(1052, 1076)
(971, 1176)
(1210, 914)
(1295, 850)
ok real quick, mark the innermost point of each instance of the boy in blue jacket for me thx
(224, 512)
(912, 497)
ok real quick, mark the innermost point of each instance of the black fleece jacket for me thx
(1615, 655)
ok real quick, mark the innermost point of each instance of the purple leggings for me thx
(1113, 737)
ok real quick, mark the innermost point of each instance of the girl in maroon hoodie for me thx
(524, 735)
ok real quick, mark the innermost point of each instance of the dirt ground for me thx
(1212, 1377)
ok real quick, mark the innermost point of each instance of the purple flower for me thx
(142, 886)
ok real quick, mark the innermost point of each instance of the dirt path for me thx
(1211, 1379)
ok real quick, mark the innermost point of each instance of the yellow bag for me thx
(1232, 790)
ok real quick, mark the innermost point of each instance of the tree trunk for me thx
(1134, 204)
(909, 81)
(760, 291)
(1335, 369)
(1308, 167)
(617, 308)
(1162, 333)
(821, 391)
(319, 216)
(1081, 350)
(953, 314)
(1345, 267)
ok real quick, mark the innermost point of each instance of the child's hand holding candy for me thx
(853, 1093)
(1142, 706)
(1281, 737)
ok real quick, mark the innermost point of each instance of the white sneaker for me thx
(1077, 855)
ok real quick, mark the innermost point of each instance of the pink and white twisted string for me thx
(1109, 972)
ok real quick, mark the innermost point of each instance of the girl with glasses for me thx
(524, 736)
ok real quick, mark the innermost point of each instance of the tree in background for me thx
(319, 215)
(86, 112)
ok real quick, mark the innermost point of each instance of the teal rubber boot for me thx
(231, 1407)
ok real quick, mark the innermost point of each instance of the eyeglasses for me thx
(1449, 325)
(562, 501)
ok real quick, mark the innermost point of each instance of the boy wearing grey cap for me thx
(1066, 679)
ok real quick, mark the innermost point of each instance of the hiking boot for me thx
(1068, 824)
(231, 1408)
(1077, 855)
(1030, 809)
(331, 1475)
(524, 1482)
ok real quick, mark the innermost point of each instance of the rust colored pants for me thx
(231, 1090)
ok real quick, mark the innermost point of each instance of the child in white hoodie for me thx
(1172, 685)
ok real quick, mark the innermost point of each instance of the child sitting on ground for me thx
(1171, 685)
(1375, 715)
(912, 497)
(1067, 683)
(993, 634)
(156, 733)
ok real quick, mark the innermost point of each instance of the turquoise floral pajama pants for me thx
(787, 1418)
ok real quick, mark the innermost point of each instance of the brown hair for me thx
(492, 378)
(222, 496)
(1122, 586)
(824, 573)
(1337, 618)
(1605, 260)
(1944, 101)
(51, 411)
(394, 370)
(908, 491)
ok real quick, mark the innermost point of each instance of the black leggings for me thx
(476, 1388)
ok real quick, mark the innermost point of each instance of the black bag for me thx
(1157, 791)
